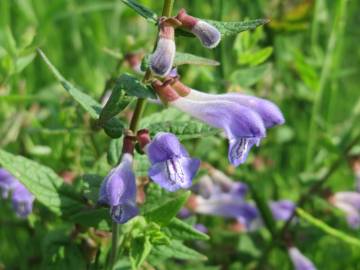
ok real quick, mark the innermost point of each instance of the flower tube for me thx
(242, 126)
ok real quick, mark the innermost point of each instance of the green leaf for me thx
(114, 128)
(180, 230)
(184, 130)
(117, 102)
(255, 58)
(327, 229)
(23, 61)
(143, 11)
(142, 164)
(114, 152)
(133, 87)
(140, 248)
(59, 252)
(169, 114)
(155, 195)
(87, 102)
(183, 59)
(164, 213)
(177, 250)
(47, 187)
(249, 76)
(93, 217)
(190, 59)
(233, 28)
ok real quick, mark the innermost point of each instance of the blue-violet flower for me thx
(171, 166)
(118, 190)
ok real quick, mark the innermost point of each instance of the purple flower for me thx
(172, 168)
(7, 183)
(282, 210)
(208, 35)
(243, 126)
(22, 199)
(201, 228)
(268, 111)
(349, 203)
(299, 261)
(118, 190)
(227, 184)
(225, 205)
(161, 61)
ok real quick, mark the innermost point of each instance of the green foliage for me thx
(166, 211)
(233, 28)
(184, 130)
(133, 87)
(140, 9)
(305, 60)
(48, 188)
(182, 231)
(190, 59)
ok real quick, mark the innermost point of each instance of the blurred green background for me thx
(306, 60)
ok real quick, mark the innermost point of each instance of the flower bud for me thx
(118, 190)
(208, 35)
(161, 61)
(299, 261)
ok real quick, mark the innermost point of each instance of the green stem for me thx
(325, 74)
(114, 247)
(139, 108)
(167, 8)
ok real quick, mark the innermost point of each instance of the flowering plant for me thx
(155, 174)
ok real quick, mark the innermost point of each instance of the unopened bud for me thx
(161, 61)
(208, 34)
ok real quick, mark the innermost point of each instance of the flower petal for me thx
(208, 35)
(165, 146)
(174, 173)
(282, 210)
(161, 61)
(299, 260)
(124, 212)
(268, 111)
(236, 120)
(239, 149)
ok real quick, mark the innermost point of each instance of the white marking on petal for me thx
(118, 212)
(240, 148)
(175, 171)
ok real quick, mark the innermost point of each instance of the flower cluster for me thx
(218, 195)
(243, 118)
(22, 199)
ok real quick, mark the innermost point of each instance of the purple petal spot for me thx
(172, 168)
(282, 210)
(208, 35)
(299, 260)
(239, 149)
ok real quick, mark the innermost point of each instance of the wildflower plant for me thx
(148, 198)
